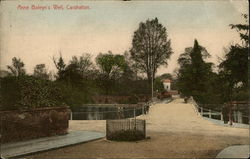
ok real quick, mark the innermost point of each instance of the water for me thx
(102, 112)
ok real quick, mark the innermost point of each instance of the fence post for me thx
(71, 115)
(144, 128)
(107, 132)
(201, 111)
(134, 112)
(134, 119)
(239, 117)
(210, 114)
(221, 116)
(235, 116)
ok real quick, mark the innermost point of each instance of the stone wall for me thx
(29, 124)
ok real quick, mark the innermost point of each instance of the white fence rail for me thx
(237, 115)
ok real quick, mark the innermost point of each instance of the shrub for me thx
(74, 96)
(127, 135)
(25, 92)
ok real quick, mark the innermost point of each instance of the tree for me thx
(234, 68)
(236, 59)
(131, 71)
(194, 72)
(243, 30)
(111, 65)
(111, 68)
(166, 75)
(83, 64)
(59, 64)
(17, 68)
(158, 84)
(40, 71)
(71, 75)
(150, 47)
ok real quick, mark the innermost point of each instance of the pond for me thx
(107, 111)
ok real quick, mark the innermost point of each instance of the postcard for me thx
(124, 79)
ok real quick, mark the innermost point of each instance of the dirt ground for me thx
(160, 145)
(174, 129)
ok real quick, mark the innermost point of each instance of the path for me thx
(178, 116)
(48, 143)
(237, 151)
(175, 132)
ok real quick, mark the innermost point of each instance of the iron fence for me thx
(124, 126)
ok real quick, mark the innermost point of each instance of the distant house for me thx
(167, 84)
(4, 73)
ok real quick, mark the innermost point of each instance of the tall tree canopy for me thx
(17, 67)
(194, 72)
(41, 71)
(83, 63)
(234, 68)
(111, 65)
(150, 47)
(111, 68)
(59, 64)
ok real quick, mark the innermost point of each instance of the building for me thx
(167, 84)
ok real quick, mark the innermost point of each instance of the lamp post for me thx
(152, 78)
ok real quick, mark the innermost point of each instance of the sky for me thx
(36, 35)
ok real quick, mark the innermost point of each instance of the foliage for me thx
(194, 73)
(111, 65)
(59, 64)
(29, 92)
(127, 135)
(74, 96)
(71, 75)
(83, 64)
(234, 68)
(243, 30)
(235, 64)
(166, 76)
(111, 68)
(40, 71)
(150, 47)
(195, 77)
(158, 84)
(17, 68)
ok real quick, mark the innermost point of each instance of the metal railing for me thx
(119, 110)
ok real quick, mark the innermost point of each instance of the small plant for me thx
(127, 135)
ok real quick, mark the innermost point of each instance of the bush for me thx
(127, 135)
(73, 95)
(26, 92)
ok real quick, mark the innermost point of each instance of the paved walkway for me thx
(48, 143)
(221, 123)
(178, 116)
(239, 151)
